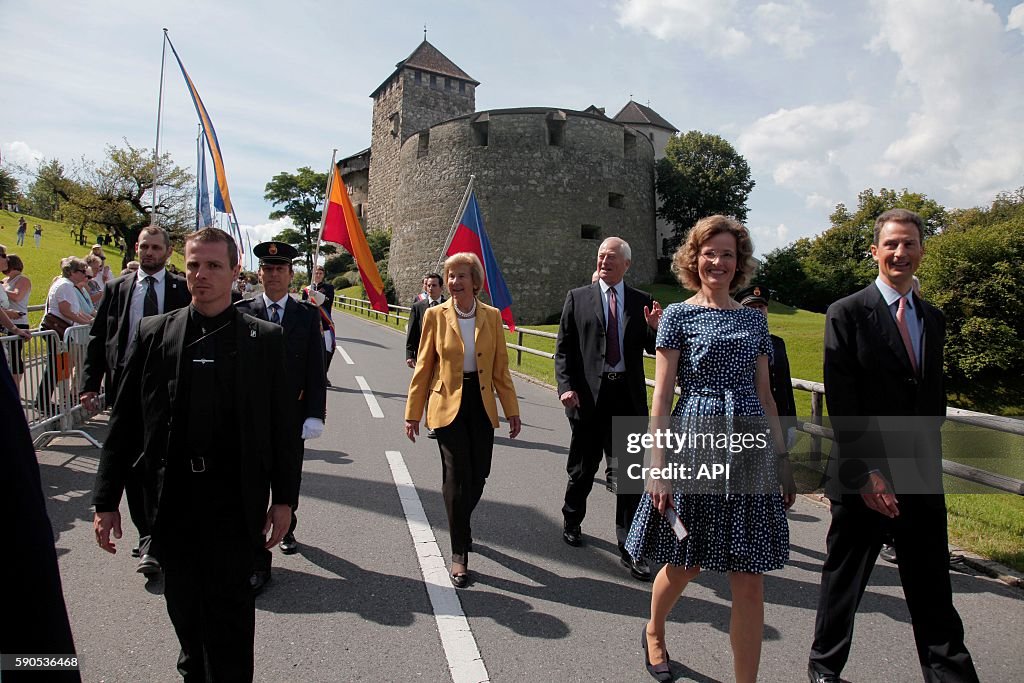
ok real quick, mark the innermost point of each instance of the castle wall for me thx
(411, 101)
(535, 197)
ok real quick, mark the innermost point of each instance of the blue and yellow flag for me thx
(221, 196)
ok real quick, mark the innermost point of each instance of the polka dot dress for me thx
(744, 532)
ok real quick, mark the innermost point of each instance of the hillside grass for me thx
(986, 523)
(42, 265)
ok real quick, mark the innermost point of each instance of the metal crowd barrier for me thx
(49, 372)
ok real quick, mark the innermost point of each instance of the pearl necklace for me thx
(467, 314)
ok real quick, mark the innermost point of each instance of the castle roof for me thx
(637, 114)
(428, 58)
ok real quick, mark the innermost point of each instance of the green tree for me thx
(8, 188)
(701, 175)
(782, 272)
(300, 197)
(44, 194)
(973, 273)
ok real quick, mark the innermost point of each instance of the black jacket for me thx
(412, 333)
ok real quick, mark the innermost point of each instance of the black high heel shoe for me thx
(660, 672)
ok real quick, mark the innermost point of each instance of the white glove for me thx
(317, 297)
(312, 428)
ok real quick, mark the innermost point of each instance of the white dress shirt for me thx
(268, 302)
(620, 299)
(139, 300)
(914, 325)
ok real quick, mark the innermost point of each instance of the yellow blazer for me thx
(439, 366)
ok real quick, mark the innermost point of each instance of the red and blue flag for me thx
(470, 236)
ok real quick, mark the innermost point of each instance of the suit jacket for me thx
(148, 416)
(439, 367)
(868, 378)
(782, 384)
(108, 337)
(412, 334)
(580, 347)
(304, 344)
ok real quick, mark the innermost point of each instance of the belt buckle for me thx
(613, 376)
(198, 464)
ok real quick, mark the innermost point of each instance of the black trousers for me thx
(139, 503)
(466, 446)
(263, 558)
(592, 438)
(919, 536)
(207, 557)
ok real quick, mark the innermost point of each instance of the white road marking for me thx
(371, 400)
(344, 355)
(464, 661)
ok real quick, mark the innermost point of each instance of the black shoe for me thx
(460, 580)
(818, 677)
(660, 672)
(888, 553)
(431, 434)
(573, 536)
(638, 569)
(135, 552)
(328, 383)
(289, 546)
(148, 565)
(258, 581)
(609, 483)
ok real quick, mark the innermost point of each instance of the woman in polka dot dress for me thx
(718, 351)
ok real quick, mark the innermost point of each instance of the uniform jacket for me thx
(868, 375)
(304, 346)
(108, 337)
(438, 370)
(580, 347)
(149, 410)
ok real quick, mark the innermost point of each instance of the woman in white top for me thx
(17, 288)
(64, 300)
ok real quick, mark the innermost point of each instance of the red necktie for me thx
(901, 323)
(613, 354)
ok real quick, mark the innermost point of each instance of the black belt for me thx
(613, 376)
(470, 377)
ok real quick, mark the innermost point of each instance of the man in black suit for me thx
(886, 402)
(201, 399)
(321, 293)
(603, 333)
(307, 390)
(432, 296)
(127, 300)
(757, 296)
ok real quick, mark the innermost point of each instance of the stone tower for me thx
(425, 88)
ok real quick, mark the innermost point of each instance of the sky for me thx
(824, 100)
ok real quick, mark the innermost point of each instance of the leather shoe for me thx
(638, 569)
(135, 552)
(573, 536)
(289, 545)
(818, 677)
(431, 434)
(460, 580)
(660, 672)
(888, 553)
(148, 565)
(609, 483)
(258, 581)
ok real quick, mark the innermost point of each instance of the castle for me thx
(551, 183)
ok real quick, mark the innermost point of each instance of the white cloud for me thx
(781, 25)
(20, 153)
(266, 231)
(1016, 19)
(706, 24)
(767, 238)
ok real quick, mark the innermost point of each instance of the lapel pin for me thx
(252, 332)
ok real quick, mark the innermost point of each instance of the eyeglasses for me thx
(712, 255)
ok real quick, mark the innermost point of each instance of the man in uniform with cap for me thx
(757, 297)
(321, 293)
(306, 388)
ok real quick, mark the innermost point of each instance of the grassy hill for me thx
(43, 264)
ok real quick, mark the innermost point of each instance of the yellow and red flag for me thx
(341, 226)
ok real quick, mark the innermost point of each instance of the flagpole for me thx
(455, 223)
(159, 111)
(323, 214)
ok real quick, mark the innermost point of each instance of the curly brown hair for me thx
(684, 261)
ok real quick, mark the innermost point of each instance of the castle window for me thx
(423, 144)
(628, 145)
(590, 232)
(556, 132)
(449, 84)
(462, 87)
(396, 124)
(359, 210)
(479, 128)
(433, 81)
(418, 77)
(616, 200)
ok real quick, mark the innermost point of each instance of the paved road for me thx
(354, 605)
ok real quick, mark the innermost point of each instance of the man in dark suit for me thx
(757, 296)
(307, 390)
(127, 300)
(432, 296)
(886, 402)
(201, 399)
(603, 333)
(321, 293)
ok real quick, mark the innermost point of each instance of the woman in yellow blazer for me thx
(461, 364)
